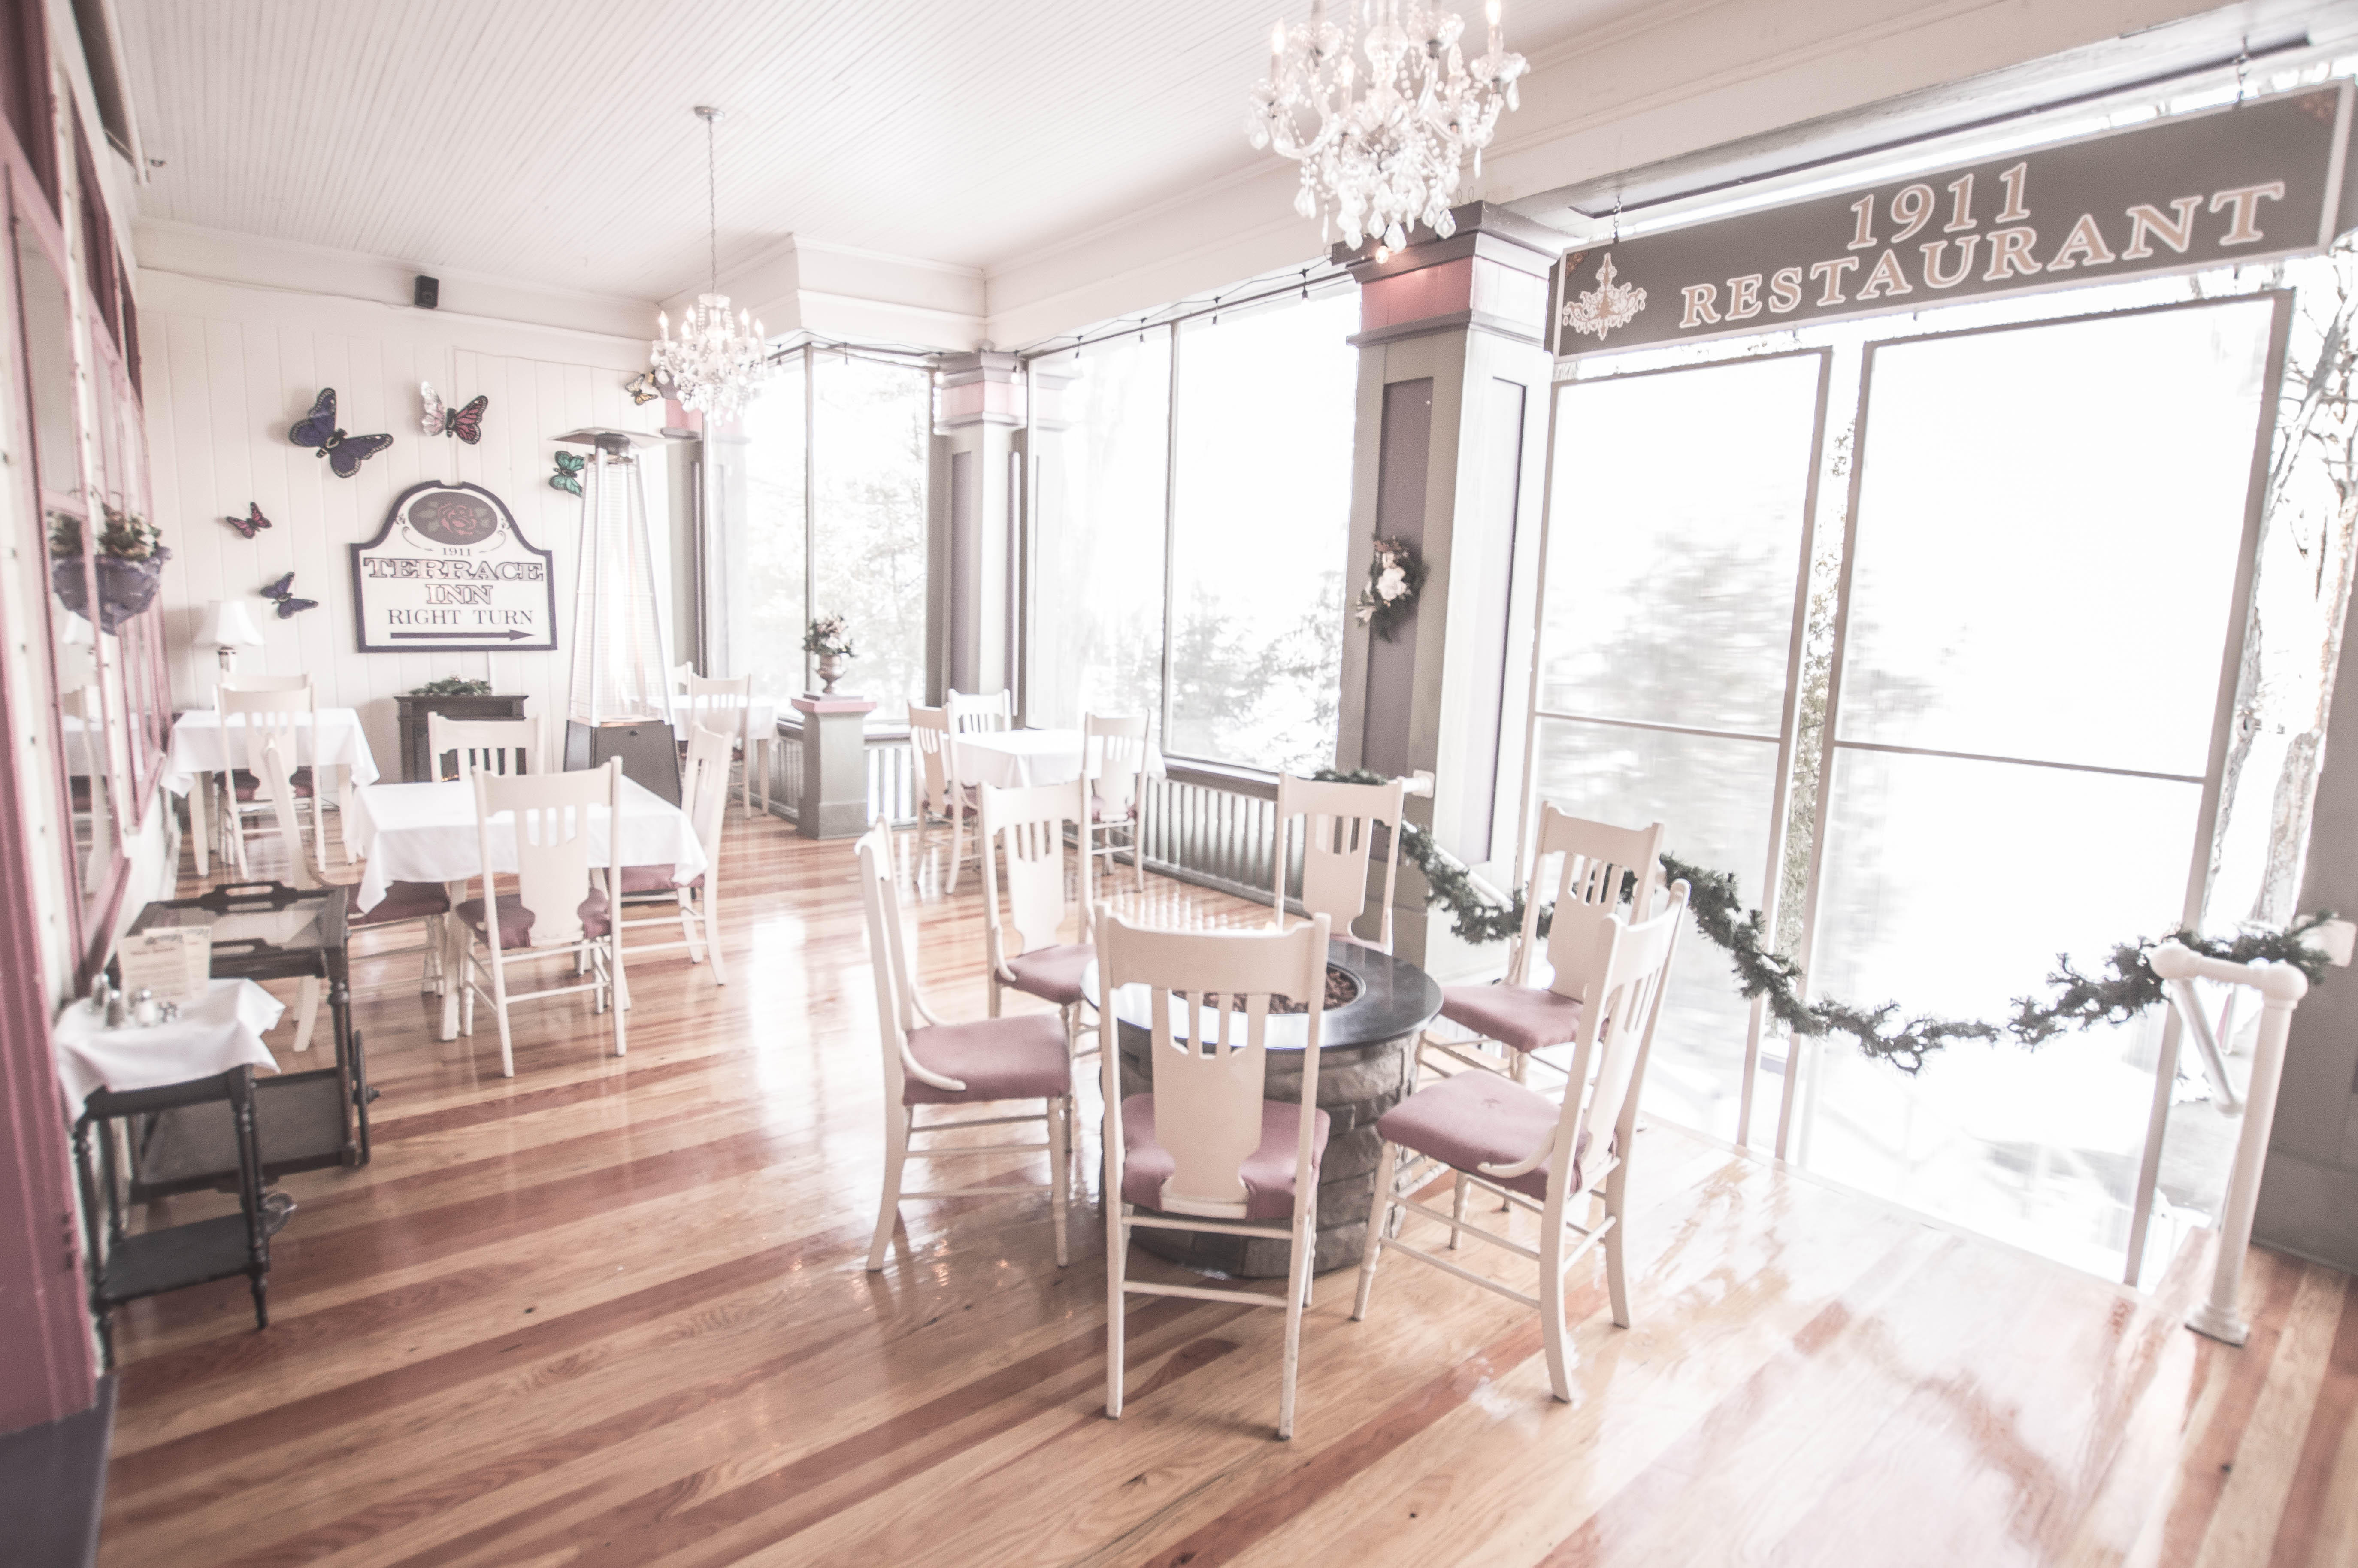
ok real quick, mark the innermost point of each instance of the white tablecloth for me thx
(425, 833)
(212, 1037)
(763, 719)
(1015, 759)
(197, 747)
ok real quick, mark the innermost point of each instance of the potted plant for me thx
(130, 565)
(830, 639)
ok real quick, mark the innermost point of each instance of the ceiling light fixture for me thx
(716, 362)
(1385, 148)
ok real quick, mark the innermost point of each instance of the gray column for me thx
(2308, 1193)
(978, 416)
(1453, 379)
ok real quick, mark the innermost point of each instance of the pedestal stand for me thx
(835, 766)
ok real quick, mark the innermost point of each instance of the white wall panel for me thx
(229, 369)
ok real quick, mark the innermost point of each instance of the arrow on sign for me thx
(512, 634)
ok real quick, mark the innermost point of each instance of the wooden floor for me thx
(613, 1312)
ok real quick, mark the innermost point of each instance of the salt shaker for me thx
(144, 1010)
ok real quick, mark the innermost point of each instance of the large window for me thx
(1233, 464)
(817, 507)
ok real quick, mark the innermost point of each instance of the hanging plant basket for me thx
(124, 587)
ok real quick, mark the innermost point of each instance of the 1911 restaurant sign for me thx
(449, 570)
(2255, 182)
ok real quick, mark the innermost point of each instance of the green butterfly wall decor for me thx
(568, 475)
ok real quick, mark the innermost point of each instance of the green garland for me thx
(2128, 987)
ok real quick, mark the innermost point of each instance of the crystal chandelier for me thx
(1390, 139)
(715, 362)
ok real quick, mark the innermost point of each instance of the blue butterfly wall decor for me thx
(344, 453)
(282, 592)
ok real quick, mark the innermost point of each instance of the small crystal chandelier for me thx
(1388, 145)
(715, 362)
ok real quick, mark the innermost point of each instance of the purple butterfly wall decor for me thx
(253, 522)
(282, 593)
(466, 422)
(344, 453)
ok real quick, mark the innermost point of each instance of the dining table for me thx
(201, 746)
(427, 833)
(1017, 759)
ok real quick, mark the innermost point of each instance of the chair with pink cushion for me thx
(704, 797)
(1535, 1153)
(1602, 868)
(928, 1062)
(1025, 830)
(560, 908)
(1113, 765)
(1203, 1147)
(1331, 827)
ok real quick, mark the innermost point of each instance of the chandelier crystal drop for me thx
(717, 360)
(1382, 113)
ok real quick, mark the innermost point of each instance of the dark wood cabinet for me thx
(416, 765)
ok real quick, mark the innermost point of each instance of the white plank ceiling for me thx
(554, 143)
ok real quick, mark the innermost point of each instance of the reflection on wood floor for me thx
(612, 1311)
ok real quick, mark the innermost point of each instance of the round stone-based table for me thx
(1367, 1064)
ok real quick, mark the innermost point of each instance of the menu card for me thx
(176, 963)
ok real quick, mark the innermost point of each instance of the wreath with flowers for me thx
(1394, 578)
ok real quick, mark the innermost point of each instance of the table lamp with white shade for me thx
(227, 627)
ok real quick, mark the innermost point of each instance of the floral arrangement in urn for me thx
(830, 639)
(130, 565)
(1394, 576)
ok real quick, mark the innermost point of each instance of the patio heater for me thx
(620, 702)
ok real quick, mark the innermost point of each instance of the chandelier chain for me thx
(717, 360)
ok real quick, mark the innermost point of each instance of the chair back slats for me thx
(556, 820)
(721, 702)
(1630, 963)
(508, 747)
(972, 712)
(1113, 758)
(1209, 1057)
(703, 790)
(1337, 823)
(1603, 867)
(275, 778)
(929, 738)
(1025, 829)
(278, 712)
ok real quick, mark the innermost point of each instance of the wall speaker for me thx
(425, 292)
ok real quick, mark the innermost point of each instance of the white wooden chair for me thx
(941, 796)
(282, 708)
(274, 773)
(1602, 865)
(1533, 1153)
(1337, 839)
(726, 703)
(704, 794)
(1026, 828)
(972, 712)
(561, 909)
(426, 903)
(500, 746)
(1204, 1147)
(1113, 760)
(928, 1062)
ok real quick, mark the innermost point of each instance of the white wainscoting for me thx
(227, 369)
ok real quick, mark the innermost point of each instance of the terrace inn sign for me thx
(450, 570)
(2256, 182)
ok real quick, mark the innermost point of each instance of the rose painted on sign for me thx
(447, 517)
